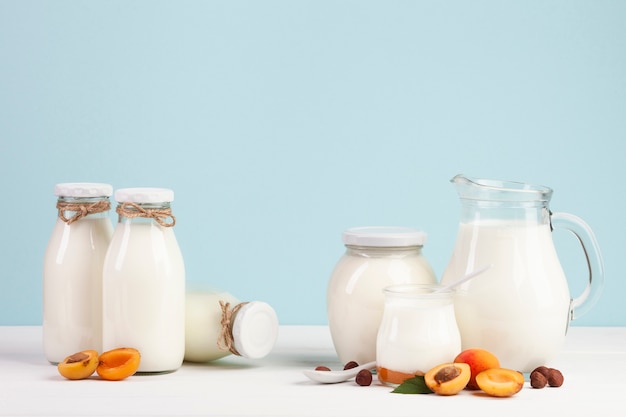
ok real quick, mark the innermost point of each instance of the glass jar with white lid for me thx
(375, 257)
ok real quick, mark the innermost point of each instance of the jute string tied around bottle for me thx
(133, 210)
(226, 341)
(81, 209)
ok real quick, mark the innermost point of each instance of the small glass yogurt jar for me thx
(418, 332)
(375, 258)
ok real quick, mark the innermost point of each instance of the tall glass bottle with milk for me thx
(72, 270)
(144, 281)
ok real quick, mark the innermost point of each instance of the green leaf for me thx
(415, 385)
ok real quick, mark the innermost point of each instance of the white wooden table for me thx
(593, 363)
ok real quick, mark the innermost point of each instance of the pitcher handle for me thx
(582, 304)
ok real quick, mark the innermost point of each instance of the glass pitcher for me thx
(520, 308)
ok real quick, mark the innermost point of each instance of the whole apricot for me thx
(478, 360)
(80, 365)
(500, 382)
(448, 378)
(117, 364)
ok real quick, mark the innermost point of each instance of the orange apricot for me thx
(479, 360)
(80, 365)
(448, 378)
(500, 382)
(118, 364)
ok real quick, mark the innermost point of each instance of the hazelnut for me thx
(537, 379)
(555, 379)
(322, 368)
(544, 370)
(364, 378)
(350, 365)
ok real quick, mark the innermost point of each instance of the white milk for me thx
(144, 295)
(254, 326)
(355, 298)
(418, 332)
(519, 308)
(72, 295)
(203, 316)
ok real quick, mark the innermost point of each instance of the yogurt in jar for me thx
(418, 332)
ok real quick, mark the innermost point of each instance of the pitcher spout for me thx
(470, 188)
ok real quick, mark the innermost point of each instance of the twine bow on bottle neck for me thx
(133, 210)
(226, 341)
(81, 209)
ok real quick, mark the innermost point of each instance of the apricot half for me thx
(448, 378)
(500, 382)
(118, 364)
(479, 360)
(80, 365)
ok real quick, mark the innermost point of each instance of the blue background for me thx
(281, 123)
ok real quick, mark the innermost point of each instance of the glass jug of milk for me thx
(143, 278)
(72, 270)
(520, 308)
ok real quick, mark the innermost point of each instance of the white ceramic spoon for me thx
(333, 377)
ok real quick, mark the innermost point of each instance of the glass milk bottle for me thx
(144, 281)
(72, 270)
(418, 332)
(217, 325)
(375, 258)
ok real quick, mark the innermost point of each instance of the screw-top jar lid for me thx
(384, 236)
(144, 195)
(255, 329)
(83, 189)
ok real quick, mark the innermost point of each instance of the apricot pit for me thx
(448, 378)
(118, 364)
(80, 365)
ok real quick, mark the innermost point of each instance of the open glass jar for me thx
(418, 332)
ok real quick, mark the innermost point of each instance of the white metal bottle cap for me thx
(144, 195)
(255, 329)
(384, 236)
(83, 189)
